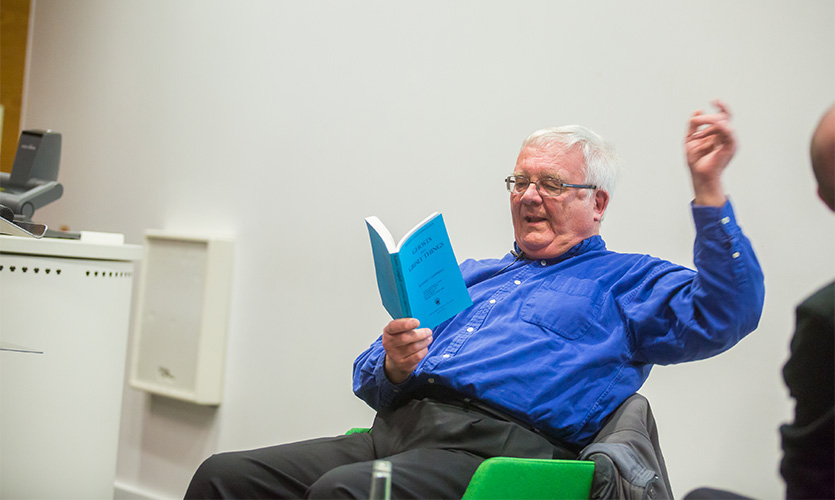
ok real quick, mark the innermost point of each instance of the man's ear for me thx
(601, 201)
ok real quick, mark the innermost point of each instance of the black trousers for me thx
(434, 449)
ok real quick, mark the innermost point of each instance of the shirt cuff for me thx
(705, 216)
(718, 237)
(389, 392)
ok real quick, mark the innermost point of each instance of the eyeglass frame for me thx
(510, 181)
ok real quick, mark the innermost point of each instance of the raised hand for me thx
(710, 145)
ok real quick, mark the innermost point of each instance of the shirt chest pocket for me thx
(565, 306)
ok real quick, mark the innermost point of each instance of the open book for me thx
(419, 276)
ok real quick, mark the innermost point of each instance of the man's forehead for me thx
(551, 158)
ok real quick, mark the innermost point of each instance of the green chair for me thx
(506, 478)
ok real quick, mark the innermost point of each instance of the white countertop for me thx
(98, 246)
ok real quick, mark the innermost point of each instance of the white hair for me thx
(602, 163)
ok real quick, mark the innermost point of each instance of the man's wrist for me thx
(393, 374)
(710, 200)
(708, 192)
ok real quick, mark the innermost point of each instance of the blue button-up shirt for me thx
(560, 343)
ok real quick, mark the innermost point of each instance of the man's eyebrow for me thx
(546, 176)
(551, 177)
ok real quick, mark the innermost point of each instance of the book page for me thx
(408, 235)
(383, 232)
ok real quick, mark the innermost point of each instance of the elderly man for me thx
(560, 333)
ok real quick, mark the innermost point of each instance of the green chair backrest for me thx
(504, 478)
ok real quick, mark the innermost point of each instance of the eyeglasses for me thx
(546, 186)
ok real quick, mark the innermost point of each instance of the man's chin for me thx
(533, 248)
(547, 247)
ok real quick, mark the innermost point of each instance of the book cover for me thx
(419, 276)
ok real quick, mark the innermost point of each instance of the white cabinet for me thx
(64, 319)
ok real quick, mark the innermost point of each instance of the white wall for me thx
(286, 123)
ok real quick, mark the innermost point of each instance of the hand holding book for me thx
(405, 346)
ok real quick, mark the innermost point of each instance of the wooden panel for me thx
(14, 28)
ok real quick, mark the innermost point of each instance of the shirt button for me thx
(542, 262)
(517, 282)
(470, 330)
(735, 255)
(725, 220)
(431, 380)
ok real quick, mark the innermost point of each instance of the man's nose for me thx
(531, 195)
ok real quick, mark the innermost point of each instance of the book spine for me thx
(402, 294)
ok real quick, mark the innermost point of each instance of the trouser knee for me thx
(215, 476)
(347, 481)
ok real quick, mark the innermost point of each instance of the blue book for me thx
(419, 276)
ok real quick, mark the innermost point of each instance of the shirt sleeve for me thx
(678, 315)
(370, 382)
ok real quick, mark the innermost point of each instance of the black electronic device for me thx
(33, 181)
